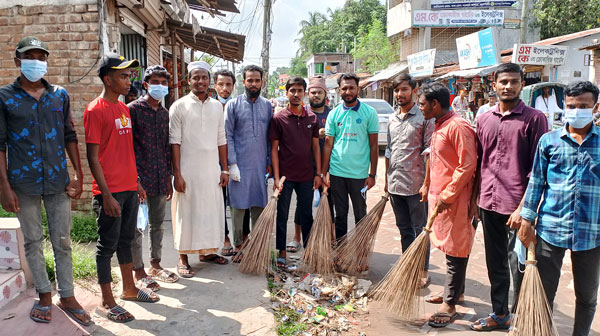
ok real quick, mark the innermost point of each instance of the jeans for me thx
(411, 217)
(156, 215)
(456, 272)
(58, 211)
(586, 272)
(501, 260)
(341, 188)
(237, 217)
(115, 234)
(304, 194)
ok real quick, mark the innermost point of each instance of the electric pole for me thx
(524, 13)
(266, 44)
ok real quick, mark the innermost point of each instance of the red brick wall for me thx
(71, 32)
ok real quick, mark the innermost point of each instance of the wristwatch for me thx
(372, 175)
(319, 175)
(226, 172)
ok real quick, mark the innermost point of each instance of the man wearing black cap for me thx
(116, 188)
(36, 125)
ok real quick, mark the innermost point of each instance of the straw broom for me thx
(534, 314)
(318, 254)
(399, 289)
(255, 251)
(352, 253)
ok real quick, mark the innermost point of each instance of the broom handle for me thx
(431, 219)
(530, 252)
(276, 193)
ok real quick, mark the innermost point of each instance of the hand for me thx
(526, 233)
(224, 180)
(424, 192)
(325, 180)
(141, 193)
(385, 186)
(74, 188)
(169, 189)
(369, 182)
(275, 182)
(111, 206)
(234, 173)
(322, 133)
(441, 205)
(9, 200)
(269, 170)
(179, 183)
(317, 182)
(514, 221)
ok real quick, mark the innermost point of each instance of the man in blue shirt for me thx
(566, 174)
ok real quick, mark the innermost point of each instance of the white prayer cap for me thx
(198, 65)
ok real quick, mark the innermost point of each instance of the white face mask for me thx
(579, 117)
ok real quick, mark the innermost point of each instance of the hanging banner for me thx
(478, 50)
(458, 18)
(539, 55)
(451, 4)
(422, 63)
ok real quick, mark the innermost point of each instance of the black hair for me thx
(225, 73)
(132, 90)
(508, 68)
(436, 91)
(109, 72)
(295, 81)
(404, 77)
(251, 68)
(348, 76)
(156, 70)
(580, 87)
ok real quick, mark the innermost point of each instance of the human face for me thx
(118, 81)
(316, 97)
(403, 94)
(32, 54)
(224, 86)
(156, 80)
(349, 91)
(253, 82)
(493, 101)
(129, 98)
(546, 91)
(199, 81)
(429, 109)
(508, 86)
(584, 101)
(295, 94)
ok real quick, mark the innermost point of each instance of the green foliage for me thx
(374, 39)
(4, 213)
(560, 17)
(84, 261)
(291, 325)
(298, 66)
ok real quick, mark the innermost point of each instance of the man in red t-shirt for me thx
(116, 189)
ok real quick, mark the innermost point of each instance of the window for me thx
(319, 68)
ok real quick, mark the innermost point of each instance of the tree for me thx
(560, 17)
(374, 39)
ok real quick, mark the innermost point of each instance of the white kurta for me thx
(198, 214)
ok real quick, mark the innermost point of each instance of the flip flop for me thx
(227, 251)
(434, 324)
(147, 282)
(165, 276)
(215, 259)
(292, 246)
(115, 312)
(143, 295)
(187, 268)
(281, 262)
(43, 309)
(72, 312)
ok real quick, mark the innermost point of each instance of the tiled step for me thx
(12, 283)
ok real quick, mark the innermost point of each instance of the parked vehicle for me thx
(384, 110)
(530, 93)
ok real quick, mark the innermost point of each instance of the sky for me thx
(287, 15)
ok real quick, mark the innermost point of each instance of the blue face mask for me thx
(158, 91)
(579, 117)
(224, 100)
(33, 70)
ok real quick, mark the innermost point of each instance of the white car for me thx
(384, 110)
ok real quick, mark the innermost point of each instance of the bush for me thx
(84, 261)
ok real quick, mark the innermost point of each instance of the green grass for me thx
(84, 261)
(291, 326)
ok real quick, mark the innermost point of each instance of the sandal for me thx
(292, 246)
(117, 311)
(165, 276)
(227, 251)
(215, 259)
(40, 308)
(438, 298)
(185, 271)
(143, 295)
(281, 262)
(502, 323)
(450, 317)
(149, 283)
(72, 312)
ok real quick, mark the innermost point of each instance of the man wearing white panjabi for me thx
(197, 137)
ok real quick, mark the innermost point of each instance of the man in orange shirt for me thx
(452, 165)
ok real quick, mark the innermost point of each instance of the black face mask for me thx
(252, 95)
(317, 105)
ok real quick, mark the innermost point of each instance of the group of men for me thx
(508, 173)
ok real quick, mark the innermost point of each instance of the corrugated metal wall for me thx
(133, 46)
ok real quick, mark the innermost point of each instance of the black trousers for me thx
(329, 200)
(115, 234)
(341, 189)
(501, 260)
(304, 197)
(411, 217)
(456, 273)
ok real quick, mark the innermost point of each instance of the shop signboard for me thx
(453, 4)
(421, 64)
(539, 55)
(458, 18)
(478, 50)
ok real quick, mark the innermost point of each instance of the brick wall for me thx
(71, 32)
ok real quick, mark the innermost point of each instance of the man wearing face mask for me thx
(36, 171)
(565, 178)
(150, 125)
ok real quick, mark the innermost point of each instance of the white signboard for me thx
(458, 18)
(539, 55)
(422, 63)
(452, 4)
(478, 50)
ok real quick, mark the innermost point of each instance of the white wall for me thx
(575, 57)
(12, 3)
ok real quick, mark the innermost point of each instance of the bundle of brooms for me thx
(399, 289)
(256, 251)
(353, 251)
(533, 315)
(318, 254)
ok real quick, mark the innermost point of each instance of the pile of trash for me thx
(324, 305)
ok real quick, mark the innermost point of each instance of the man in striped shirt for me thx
(566, 172)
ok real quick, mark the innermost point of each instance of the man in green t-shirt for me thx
(350, 147)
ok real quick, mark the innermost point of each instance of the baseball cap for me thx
(31, 42)
(116, 62)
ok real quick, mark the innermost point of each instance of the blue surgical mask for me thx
(521, 251)
(579, 117)
(158, 91)
(224, 100)
(33, 70)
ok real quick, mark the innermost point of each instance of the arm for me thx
(327, 147)
(317, 157)
(176, 160)
(75, 186)
(424, 191)
(175, 136)
(388, 155)
(230, 132)
(9, 199)
(374, 153)
(223, 158)
(269, 170)
(109, 203)
(275, 162)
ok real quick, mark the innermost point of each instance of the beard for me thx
(252, 94)
(350, 100)
(317, 105)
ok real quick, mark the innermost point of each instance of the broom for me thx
(352, 253)
(255, 251)
(318, 254)
(533, 315)
(399, 289)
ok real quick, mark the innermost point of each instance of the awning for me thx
(214, 6)
(227, 46)
(388, 73)
(469, 73)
